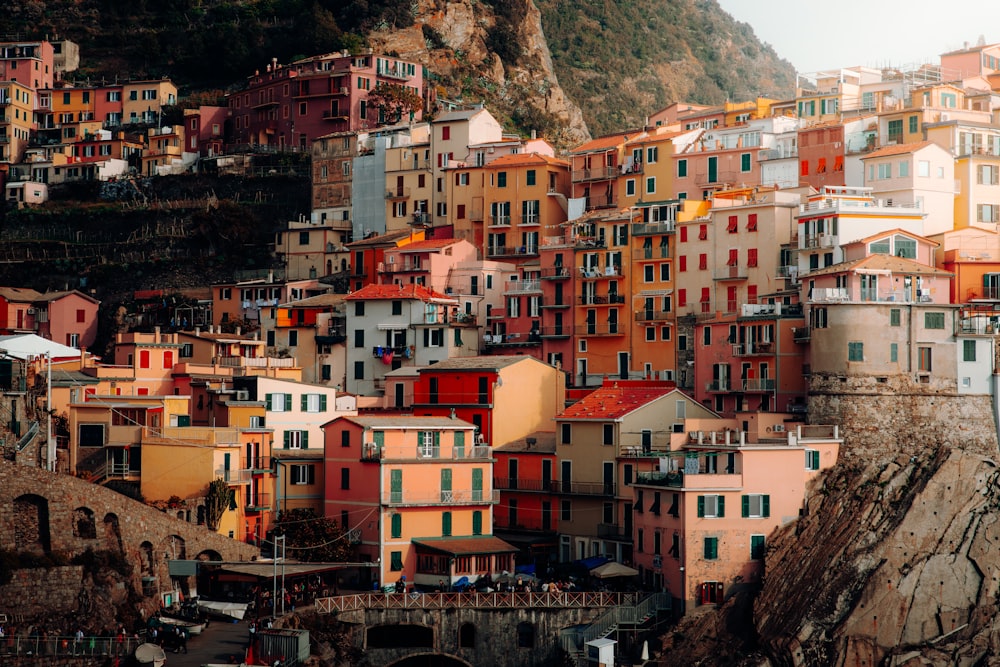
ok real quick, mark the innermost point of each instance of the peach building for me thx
(921, 175)
(702, 519)
(428, 263)
(419, 493)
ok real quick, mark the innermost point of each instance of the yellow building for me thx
(16, 121)
(143, 101)
(409, 185)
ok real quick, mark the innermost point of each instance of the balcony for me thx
(652, 316)
(566, 487)
(499, 221)
(817, 241)
(405, 267)
(555, 332)
(260, 502)
(512, 251)
(462, 319)
(612, 530)
(595, 273)
(600, 300)
(517, 339)
(776, 154)
(653, 228)
(609, 329)
(717, 386)
(235, 477)
(335, 115)
(398, 193)
(261, 464)
(555, 304)
(503, 521)
(648, 252)
(555, 273)
(730, 273)
(530, 219)
(758, 385)
(421, 218)
(595, 174)
(421, 498)
(522, 287)
(393, 73)
(372, 452)
(843, 295)
(753, 349)
(670, 479)
(380, 351)
(719, 178)
(802, 334)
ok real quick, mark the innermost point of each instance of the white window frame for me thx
(295, 439)
(758, 511)
(278, 402)
(714, 498)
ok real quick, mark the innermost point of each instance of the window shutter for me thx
(477, 523)
(765, 504)
(427, 337)
(446, 524)
(437, 439)
(745, 500)
(701, 506)
(305, 439)
(305, 402)
(295, 474)
(397, 525)
(226, 458)
(721, 502)
(288, 402)
(267, 401)
(287, 438)
(322, 403)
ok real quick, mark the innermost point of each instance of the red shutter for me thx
(734, 257)
(752, 293)
(733, 224)
(752, 257)
(682, 263)
(684, 234)
(681, 297)
(703, 261)
(706, 294)
(752, 222)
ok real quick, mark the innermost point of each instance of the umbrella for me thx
(613, 569)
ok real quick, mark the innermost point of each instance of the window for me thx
(733, 224)
(397, 525)
(904, 169)
(630, 187)
(446, 524)
(296, 439)
(711, 548)
(303, 473)
(924, 168)
(914, 124)
(565, 431)
(885, 170)
(648, 273)
(703, 261)
(665, 333)
(681, 297)
(396, 561)
(855, 351)
(313, 403)
(359, 338)
(758, 547)
(752, 257)
(446, 133)
(530, 176)
(968, 350)
(682, 168)
(652, 152)
(934, 320)
(651, 185)
(501, 179)
(706, 336)
(359, 307)
(812, 459)
(278, 402)
(609, 434)
(359, 370)
(894, 317)
(345, 478)
(745, 162)
(566, 510)
(986, 174)
(650, 334)
(756, 506)
(752, 222)
(293, 338)
(893, 353)
(711, 506)
(682, 263)
(924, 359)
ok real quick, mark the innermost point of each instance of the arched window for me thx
(467, 636)
(525, 635)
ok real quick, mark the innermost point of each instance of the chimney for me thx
(238, 329)
(452, 415)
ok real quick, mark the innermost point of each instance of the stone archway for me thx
(112, 533)
(84, 524)
(146, 559)
(31, 524)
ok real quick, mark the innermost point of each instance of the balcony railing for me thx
(594, 273)
(717, 386)
(242, 476)
(521, 286)
(527, 524)
(511, 251)
(776, 154)
(731, 273)
(528, 219)
(608, 329)
(556, 273)
(843, 295)
(513, 339)
(600, 299)
(563, 331)
(259, 502)
(753, 349)
(392, 267)
(453, 497)
(595, 174)
(652, 316)
(372, 452)
(801, 334)
(499, 221)
(647, 228)
(758, 384)
(398, 193)
(658, 252)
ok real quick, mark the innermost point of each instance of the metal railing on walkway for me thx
(56, 646)
(474, 601)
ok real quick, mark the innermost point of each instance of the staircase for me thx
(614, 619)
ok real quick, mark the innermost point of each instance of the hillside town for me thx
(542, 357)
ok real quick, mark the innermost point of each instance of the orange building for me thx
(420, 494)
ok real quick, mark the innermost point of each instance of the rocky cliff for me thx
(894, 561)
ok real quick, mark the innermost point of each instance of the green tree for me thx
(394, 101)
(217, 501)
(312, 538)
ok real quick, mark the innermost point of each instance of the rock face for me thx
(464, 67)
(895, 561)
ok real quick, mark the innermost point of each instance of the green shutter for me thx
(379, 437)
(758, 546)
(459, 444)
(745, 502)
(815, 458)
(701, 506)
(437, 444)
(765, 505)
(397, 525)
(446, 479)
(722, 506)
(396, 559)
(396, 485)
(711, 548)
(305, 402)
(477, 523)
(287, 438)
(477, 485)
(322, 403)
(446, 524)
(226, 458)
(288, 402)
(267, 402)
(305, 439)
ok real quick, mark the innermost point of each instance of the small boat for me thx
(150, 655)
(192, 627)
(227, 610)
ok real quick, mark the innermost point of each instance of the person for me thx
(78, 644)
(440, 588)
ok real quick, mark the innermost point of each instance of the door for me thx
(591, 321)
(546, 474)
(647, 307)
(713, 169)
(566, 476)
(623, 365)
(558, 299)
(398, 399)
(477, 485)
(613, 324)
(395, 486)
(609, 478)
(512, 474)
(546, 515)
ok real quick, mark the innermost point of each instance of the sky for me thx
(815, 36)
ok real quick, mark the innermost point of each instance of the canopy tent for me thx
(613, 569)
(26, 346)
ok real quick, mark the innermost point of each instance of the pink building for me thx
(428, 263)
(69, 318)
(30, 63)
(702, 521)
(205, 130)
(290, 105)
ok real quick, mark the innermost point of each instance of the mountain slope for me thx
(536, 64)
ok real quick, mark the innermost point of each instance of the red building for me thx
(290, 105)
(368, 254)
(821, 155)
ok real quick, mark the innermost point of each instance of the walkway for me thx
(214, 645)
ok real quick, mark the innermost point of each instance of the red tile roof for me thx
(465, 546)
(429, 244)
(614, 402)
(407, 291)
(526, 158)
(901, 149)
(602, 143)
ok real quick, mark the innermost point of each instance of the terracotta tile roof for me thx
(544, 443)
(428, 244)
(613, 402)
(55, 296)
(407, 422)
(318, 301)
(465, 546)
(901, 149)
(602, 143)
(19, 294)
(407, 291)
(527, 159)
(382, 239)
(884, 263)
(892, 232)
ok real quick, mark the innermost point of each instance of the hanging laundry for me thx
(387, 357)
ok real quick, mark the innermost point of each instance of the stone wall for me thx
(39, 591)
(45, 512)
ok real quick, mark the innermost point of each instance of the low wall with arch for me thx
(47, 513)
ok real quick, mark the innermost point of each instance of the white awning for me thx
(655, 292)
(393, 326)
